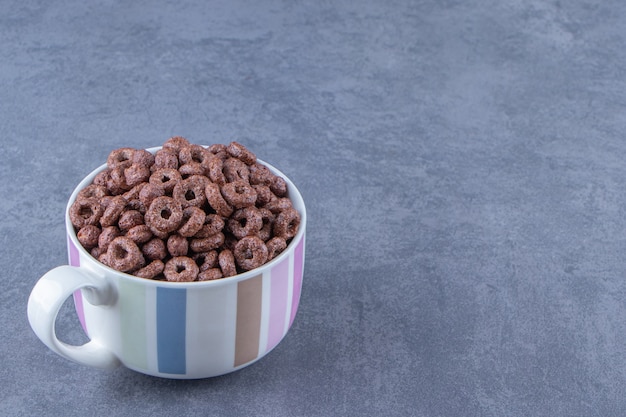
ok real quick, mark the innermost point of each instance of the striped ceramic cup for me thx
(171, 329)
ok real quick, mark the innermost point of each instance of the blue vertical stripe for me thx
(171, 318)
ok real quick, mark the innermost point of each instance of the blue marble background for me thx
(463, 165)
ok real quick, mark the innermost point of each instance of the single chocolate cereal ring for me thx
(210, 274)
(279, 186)
(245, 222)
(226, 260)
(175, 144)
(267, 218)
(143, 157)
(164, 159)
(114, 208)
(117, 181)
(242, 153)
(140, 233)
(164, 215)
(207, 244)
(107, 235)
(239, 194)
(136, 174)
(260, 174)
(279, 204)
(85, 212)
(216, 201)
(250, 252)
(275, 246)
(286, 223)
(151, 270)
(124, 255)
(193, 221)
(235, 170)
(215, 171)
(192, 168)
(154, 249)
(88, 236)
(263, 194)
(181, 269)
(190, 192)
(122, 157)
(92, 191)
(129, 219)
(217, 148)
(166, 178)
(177, 245)
(149, 192)
(101, 178)
(195, 153)
(137, 205)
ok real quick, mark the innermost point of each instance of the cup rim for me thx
(292, 192)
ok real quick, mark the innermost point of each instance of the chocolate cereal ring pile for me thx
(185, 213)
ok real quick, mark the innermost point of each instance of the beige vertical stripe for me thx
(249, 296)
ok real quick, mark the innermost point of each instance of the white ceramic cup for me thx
(171, 329)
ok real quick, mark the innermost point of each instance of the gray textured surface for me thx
(463, 165)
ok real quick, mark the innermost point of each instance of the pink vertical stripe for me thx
(74, 256)
(279, 283)
(297, 278)
(78, 304)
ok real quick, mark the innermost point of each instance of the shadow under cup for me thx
(194, 329)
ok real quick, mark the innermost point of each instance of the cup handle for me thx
(45, 301)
